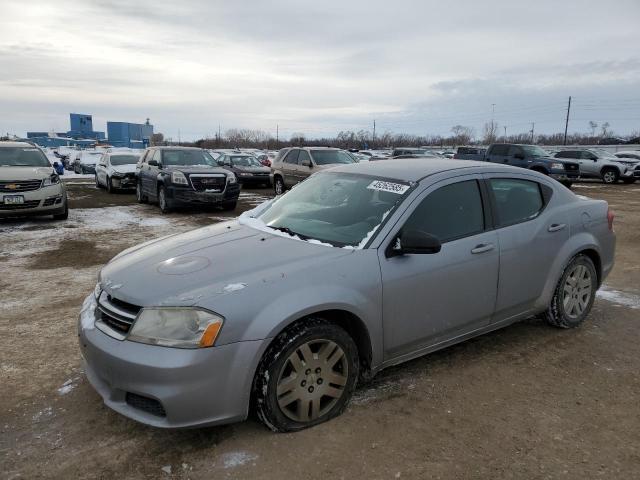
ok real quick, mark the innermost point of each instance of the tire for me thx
(229, 205)
(610, 176)
(163, 201)
(570, 312)
(567, 184)
(64, 215)
(140, 197)
(110, 188)
(278, 185)
(295, 390)
(97, 182)
(629, 180)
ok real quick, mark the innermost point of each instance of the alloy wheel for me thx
(279, 187)
(312, 380)
(609, 176)
(577, 291)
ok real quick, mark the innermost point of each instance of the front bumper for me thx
(564, 176)
(49, 200)
(126, 181)
(188, 196)
(168, 387)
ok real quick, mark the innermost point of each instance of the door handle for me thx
(556, 227)
(483, 247)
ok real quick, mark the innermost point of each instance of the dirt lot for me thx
(525, 402)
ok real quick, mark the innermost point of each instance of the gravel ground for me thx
(528, 401)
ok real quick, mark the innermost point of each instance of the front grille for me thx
(20, 206)
(146, 404)
(208, 182)
(116, 314)
(14, 186)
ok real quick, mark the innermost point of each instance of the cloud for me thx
(318, 67)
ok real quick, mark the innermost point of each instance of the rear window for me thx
(516, 200)
(22, 157)
(328, 157)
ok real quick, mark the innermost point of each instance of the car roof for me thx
(415, 169)
(15, 144)
(168, 147)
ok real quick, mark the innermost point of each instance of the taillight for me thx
(610, 217)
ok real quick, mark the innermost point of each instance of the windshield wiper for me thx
(290, 232)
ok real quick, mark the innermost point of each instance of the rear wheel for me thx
(610, 175)
(307, 376)
(574, 294)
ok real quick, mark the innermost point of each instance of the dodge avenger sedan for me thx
(356, 269)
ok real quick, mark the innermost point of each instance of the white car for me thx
(117, 170)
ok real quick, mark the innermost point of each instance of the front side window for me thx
(303, 156)
(451, 212)
(22, 157)
(516, 200)
(499, 150)
(534, 151)
(292, 157)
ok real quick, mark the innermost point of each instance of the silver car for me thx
(356, 269)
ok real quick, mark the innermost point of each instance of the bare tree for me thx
(297, 138)
(593, 126)
(490, 131)
(605, 129)
(462, 135)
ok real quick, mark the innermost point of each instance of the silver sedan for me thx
(358, 268)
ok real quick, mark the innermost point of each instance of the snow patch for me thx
(237, 459)
(166, 469)
(619, 298)
(233, 287)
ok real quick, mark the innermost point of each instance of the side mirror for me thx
(414, 242)
(306, 163)
(154, 163)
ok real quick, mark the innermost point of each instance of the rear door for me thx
(589, 163)
(498, 153)
(305, 165)
(530, 232)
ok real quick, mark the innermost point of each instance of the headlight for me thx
(231, 178)
(52, 180)
(179, 178)
(176, 327)
(246, 174)
(557, 166)
(97, 290)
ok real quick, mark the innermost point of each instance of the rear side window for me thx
(563, 155)
(499, 150)
(516, 200)
(451, 212)
(292, 157)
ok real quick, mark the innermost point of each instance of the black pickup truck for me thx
(531, 157)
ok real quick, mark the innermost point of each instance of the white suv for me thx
(116, 170)
(28, 183)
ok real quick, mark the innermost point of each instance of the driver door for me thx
(431, 298)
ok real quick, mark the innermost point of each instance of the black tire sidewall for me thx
(560, 318)
(615, 173)
(274, 360)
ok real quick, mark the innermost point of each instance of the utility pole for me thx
(533, 125)
(505, 132)
(494, 134)
(277, 136)
(566, 125)
(179, 141)
(373, 140)
(219, 135)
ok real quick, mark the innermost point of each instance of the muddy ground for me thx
(526, 402)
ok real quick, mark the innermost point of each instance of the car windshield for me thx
(341, 209)
(327, 157)
(124, 159)
(22, 157)
(245, 162)
(187, 157)
(534, 151)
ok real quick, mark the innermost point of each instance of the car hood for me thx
(188, 268)
(253, 169)
(124, 168)
(25, 173)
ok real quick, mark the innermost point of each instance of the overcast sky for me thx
(319, 67)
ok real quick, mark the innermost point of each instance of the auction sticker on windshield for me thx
(390, 187)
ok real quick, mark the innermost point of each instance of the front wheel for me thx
(64, 215)
(140, 197)
(163, 201)
(97, 181)
(110, 188)
(307, 376)
(610, 175)
(229, 205)
(574, 294)
(278, 186)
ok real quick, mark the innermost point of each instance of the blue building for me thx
(82, 127)
(131, 135)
